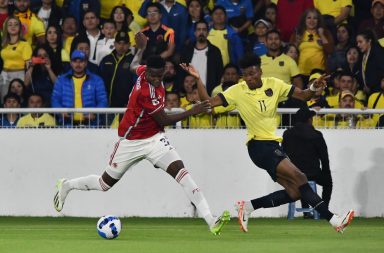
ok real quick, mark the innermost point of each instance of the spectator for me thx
(91, 24)
(81, 42)
(69, 28)
(202, 120)
(170, 77)
(114, 69)
(36, 100)
(376, 101)
(161, 38)
(307, 149)
(376, 22)
(78, 8)
(344, 40)
(372, 63)
(135, 6)
(120, 15)
(41, 74)
(204, 56)
(223, 119)
(49, 13)
(172, 100)
(173, 15)
(352, 56)
(3, 12)
(9, 120)
(270, 14)
(188, 96)
(15, 52)
(17, 87)
(33, 27)
(231, 46)
(334, 12)
(256, 40)
(292, 51)
(288, 15)
(314, 41)
(195, 14)
(79, 88)
(107, 44)
(239, 14)
(53, 38)
(277, 64)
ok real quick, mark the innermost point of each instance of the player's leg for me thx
(164, 156)
(122, 158)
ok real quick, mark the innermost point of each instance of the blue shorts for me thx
(266, 155)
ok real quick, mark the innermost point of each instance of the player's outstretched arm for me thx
(317, 86)
(203, 94)
(164, 119)
(141, 44)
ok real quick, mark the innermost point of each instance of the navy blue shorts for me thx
(266, 155)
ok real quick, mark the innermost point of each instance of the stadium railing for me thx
(109, 117)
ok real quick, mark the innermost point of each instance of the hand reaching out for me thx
(190, 69)
(201, 107)
(141, 40)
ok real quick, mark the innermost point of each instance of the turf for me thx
(141, 235)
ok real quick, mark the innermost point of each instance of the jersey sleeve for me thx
(229, 96)
(141, 69)
(37, 27)
(285, 90)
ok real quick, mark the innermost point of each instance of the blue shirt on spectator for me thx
(244, 7)
(4, 122)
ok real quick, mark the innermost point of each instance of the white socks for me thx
(195, 195)
(91, 182)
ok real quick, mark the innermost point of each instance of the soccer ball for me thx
(109, 226)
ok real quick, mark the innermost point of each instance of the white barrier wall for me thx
(33, 159)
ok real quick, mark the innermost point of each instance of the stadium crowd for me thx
(77, 54)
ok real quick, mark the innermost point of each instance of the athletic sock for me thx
(91, 182)
(272, 200)
(314, 200)
(195, 195)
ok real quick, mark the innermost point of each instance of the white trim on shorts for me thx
(156, 149)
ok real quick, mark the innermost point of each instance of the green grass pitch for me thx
(141, 235)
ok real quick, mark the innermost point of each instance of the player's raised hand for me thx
(190, 69)
(320, 83)
(141, 40)
(201, 107)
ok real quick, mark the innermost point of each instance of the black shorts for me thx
(266, 155)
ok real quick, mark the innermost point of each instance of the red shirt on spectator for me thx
(3, 17)
(288, 15)
(144, 100)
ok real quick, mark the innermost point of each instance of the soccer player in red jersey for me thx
(141, 136)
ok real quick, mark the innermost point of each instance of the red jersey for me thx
(144, 100)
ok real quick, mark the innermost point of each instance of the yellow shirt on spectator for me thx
(15, 55)
(331, 7)
(78, 84)
(379, 105)
(258, 107)
(311, 54)
(67, 44)
(134, 6)
(282, 67)
(45, 120)
(32, 25)
(202, 120)
(333, 101)
(218, 39)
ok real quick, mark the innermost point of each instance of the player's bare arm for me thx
(164, 119)
(141, 44)
(318, 85)
(203, 94)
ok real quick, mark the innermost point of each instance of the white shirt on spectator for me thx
(44, 16)
(199, 61)
(104, 48)
(93, 46)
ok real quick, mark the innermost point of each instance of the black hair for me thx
(77, 40)
(12, 95)
(231, 66)
(37, 95)
(201, 21)
(155, 61)
(249, 60)
(219, 7)
(156, 5)
(127, 12)
(273, 31)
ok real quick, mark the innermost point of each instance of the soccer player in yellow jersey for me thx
(256, 99)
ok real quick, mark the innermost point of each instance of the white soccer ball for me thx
(109, 226)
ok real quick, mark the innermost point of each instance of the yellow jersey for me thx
(258, 107)
(282, 67)
(78, 84)
(376, 101)
(331, 7)
(32, 25)
(219, 39)
(312, 55)
(15, 55)
(45, 120)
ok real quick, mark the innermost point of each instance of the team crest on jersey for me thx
(281, 63)
(269, 92)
